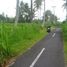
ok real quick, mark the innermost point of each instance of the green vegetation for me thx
(15, 40)
(64, 28)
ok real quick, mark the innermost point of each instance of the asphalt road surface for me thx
(46, 53)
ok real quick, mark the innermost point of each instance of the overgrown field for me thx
(15, 40)
(64, 28)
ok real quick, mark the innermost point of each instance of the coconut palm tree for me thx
(35, 5)
(17, 12)
(44, 15)
(31, 15)
(38, 3)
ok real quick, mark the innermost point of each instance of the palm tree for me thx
(31, 15)
(44, 15)
(38, 3)
(17, 12)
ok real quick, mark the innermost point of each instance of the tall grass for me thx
(17, 39)
(64, 28)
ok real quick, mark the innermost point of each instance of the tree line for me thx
(27, 13)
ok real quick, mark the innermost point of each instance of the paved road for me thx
(46, 53)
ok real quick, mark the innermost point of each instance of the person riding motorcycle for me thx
(49, 29)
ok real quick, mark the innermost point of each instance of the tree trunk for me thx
(0, 65)
(44, 15)
(66, 13)
(17, 12)
(66, 10)
(31, 15)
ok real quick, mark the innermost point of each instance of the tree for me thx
(65, 6)
(44, 15)
(24, 12)
(27, 13)
(31, 15)
(2, 17)
(49, 17)
(17, 12)
(38, 4)
(35, 5)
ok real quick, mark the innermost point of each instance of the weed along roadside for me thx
(64, 29)
(16, 40)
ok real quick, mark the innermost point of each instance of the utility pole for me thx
(17, 12)
(44, 15)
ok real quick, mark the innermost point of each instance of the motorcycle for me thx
(48, 29)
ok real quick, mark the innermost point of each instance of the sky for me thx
(9, 7)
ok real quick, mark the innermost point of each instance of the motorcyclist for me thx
(49, 29)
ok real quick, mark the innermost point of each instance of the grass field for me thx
(15, 40)
(64, 28)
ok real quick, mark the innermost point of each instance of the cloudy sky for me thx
(9, 7)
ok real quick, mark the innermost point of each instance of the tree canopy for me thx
(49, 16)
